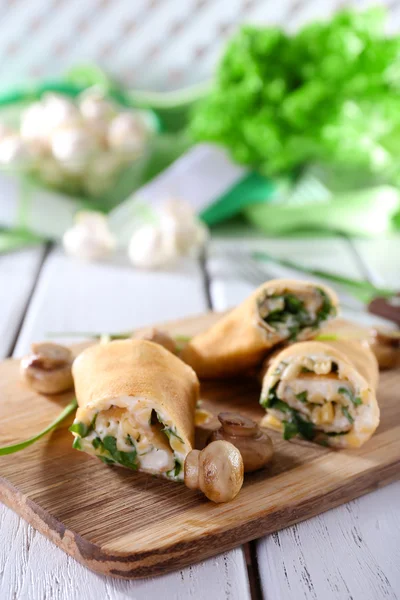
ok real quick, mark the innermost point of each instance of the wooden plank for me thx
(351, 551)
(381, 258)
(18, 272)
(75, 296)
(163, 525)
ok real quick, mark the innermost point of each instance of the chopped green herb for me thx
(80, 428)
(97, 443)
(130, 441)
(295, 420)
(302, 396)
(282, 406)
(176, 470)
(346, 413)
(346, 392)
(106, 460)
(295, 315)
(76, 444)
(305, 370)
(168, 430)
(127, 459)
(306, 429)
(289, 430)
(271, 397)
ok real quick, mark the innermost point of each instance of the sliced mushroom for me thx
(254, 444)
(158, 337)
(48, 368)
(217, 471)
(385, 344)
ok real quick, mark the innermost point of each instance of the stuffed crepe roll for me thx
(136, 406)
(324, 392)
(281, 310)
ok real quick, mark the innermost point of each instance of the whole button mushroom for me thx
(158, 336)
(254, 444)
(385, 344)
(48, 368)
(217, 471)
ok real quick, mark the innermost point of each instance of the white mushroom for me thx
(127, 133)
(48, 369)
(14, 153)
(33, 128)
(178, 218)
(59, 112)
(73, 148)
(217, 471)
(95, 108)
(254, 444)
(90, 237)
(151, 247)
(158, 336)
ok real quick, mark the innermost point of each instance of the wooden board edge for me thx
(177, 556)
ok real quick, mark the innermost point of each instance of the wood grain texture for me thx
(315, 559)
(163, 526)
(75, 296)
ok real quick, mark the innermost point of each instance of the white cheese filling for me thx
(159, 449)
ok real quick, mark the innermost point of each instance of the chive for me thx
(346, 413)
(129, 440)
(11, 448)
(302, 396)
(305, 370)
(363, 290)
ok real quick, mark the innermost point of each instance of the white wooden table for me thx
(351, 552)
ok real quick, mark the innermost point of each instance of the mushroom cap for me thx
(158, 336)
(221, 471)
(254, 444)
(48, 370)
(385, 344)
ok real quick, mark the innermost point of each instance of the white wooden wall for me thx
(180, 39)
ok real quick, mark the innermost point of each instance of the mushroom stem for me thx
(192, 470)
(217, 471)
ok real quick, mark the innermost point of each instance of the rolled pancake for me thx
(136, 406)
(281, 310)
(324, 392)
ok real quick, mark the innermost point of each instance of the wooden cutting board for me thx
(132, 525)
